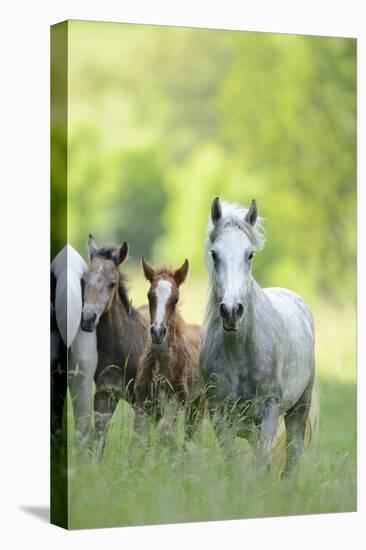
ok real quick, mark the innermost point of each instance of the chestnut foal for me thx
(168, 367)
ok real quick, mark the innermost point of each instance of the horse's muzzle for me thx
(231, 316)
(158, 333)
(88, 322)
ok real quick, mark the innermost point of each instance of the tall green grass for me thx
(154, 479)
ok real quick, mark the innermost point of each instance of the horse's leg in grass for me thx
(268, 415)
(295, 421)
(143, 393)
(105, 403)
(58, 383)
(224, 430)
(139, 422)
(194, 413)
(84, 357)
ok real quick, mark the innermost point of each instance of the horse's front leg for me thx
(194, 414)
(145, 403)
(224, 430)
(108, 393)
(84, 363)
(58, 383)
(268, 419)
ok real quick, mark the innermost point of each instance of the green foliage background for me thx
(162, 119)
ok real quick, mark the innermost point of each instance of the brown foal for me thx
(172, 354)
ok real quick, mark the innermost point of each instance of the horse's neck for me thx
(116, 315)
(249, 325)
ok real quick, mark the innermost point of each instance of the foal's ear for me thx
(180, 274)
(252, 214)
(216, 211)
(122, 254)
(92, 247)
(148, 270)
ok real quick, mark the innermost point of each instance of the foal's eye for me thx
(175, 300)
(112, 285)
(250, 255)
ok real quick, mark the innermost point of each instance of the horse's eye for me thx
(175, 300)
(250, 255)
(112, 285)
(214, 256)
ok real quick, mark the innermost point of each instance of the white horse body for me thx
(68, 268)
(258, 344)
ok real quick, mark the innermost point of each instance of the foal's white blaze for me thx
(163, 291)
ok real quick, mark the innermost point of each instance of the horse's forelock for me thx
(233, 216)
(107, 253)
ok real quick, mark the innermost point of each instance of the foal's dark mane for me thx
(111, 253)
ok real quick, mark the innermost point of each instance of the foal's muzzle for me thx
(231, 316)
(158, 333)
(88, 321)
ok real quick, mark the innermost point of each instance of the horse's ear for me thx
(122, 253)
(148, 270)
(92, 247)
(216, 212)
(252, 214)
(180, 274)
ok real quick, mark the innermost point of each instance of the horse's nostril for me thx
(158, 333)
(223, 310)
(239, 310)
(88, 321)
(88, 317)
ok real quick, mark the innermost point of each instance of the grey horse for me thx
(257, 357)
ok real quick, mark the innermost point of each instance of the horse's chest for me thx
(170, 369)
(112, 350)
(235, 378)
(241, 386)
(235, 384)
(115, 350)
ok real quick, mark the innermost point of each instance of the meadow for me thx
(158, 480)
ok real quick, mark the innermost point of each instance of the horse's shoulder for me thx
(284, 296)
(289, 304)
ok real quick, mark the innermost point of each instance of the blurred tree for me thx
(163, 119)
(138, 205)
(301, 138)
